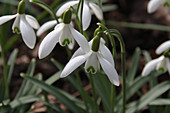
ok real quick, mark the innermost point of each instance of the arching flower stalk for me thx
(86, 16)
(23, 24)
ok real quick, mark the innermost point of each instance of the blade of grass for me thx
(148, 97)
(54, 91)
(139, 26)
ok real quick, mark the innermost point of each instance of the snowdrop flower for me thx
(92, 60)
(161, 64)
(64, 33)
(86, 16)
(23, 24)
(154, 4)
(163, 47)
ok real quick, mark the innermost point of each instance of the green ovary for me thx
(66, 41)
(91, 70)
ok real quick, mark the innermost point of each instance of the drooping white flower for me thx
(65, 35)
(93, 60)
(163, 47)
(161, 64)
(23, 24)
(154, 4)
(86, 15)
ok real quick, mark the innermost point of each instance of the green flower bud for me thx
(96, 42)
(21, 7)
(67, 16)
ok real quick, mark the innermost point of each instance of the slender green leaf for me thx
(57, 93)
(11, 63)
(132, 89)
(25, 85)
(24, 100)
(134, 65)
(160, 101)
(139, 26)
(148, 97)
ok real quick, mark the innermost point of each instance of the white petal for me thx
(16, 23)
(65, 35)
(163, 47)
(71, 45)
(86, 17)
(151, 66)
(168, 65)
(106, 53)
(49, 42)
(74, 64)
(46, 26)
(110, 71)
(97, 10)
(27, 32)
(32, 21)
(153, 5)
(78, 52)
(4, 19)
(93, 62)
(65, 7)
(81, 40)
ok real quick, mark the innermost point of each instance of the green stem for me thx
(5, 74)
(81, 13)
(94, 93)
(123, 66)
(46, 7)
(82, 92)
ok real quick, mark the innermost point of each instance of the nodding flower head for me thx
(93, 60)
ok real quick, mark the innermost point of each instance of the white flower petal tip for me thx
(74, 64)
(27, 32)
(46, 26)
(86, 17)
(150, 66)
(110, 70)
(97, 10)
(6, 18)
(153, 5)
(32, 21)
(65, 7)
(163, 47)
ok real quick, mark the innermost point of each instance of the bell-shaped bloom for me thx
(93, 60)
(161, 64)
(23, 24)
(86, 15)
(65, 35)
(154, 4)
(163, 47)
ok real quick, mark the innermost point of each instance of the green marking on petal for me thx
(66, 41)
(91, 70)
(166, 4)
(161, 69)
(16, 30)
